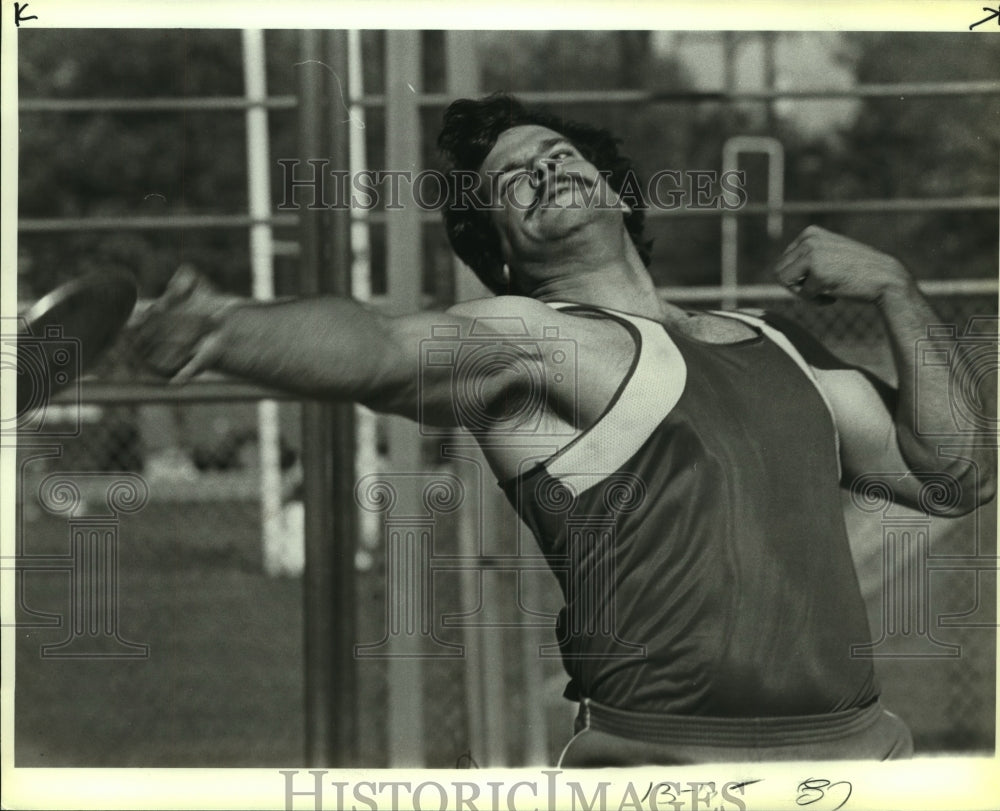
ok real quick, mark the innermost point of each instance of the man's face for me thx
(543, 191)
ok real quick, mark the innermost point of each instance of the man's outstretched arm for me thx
(325, 348)
(878, 426)
(339, 349)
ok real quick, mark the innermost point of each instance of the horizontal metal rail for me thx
(377, 301)
(902, 205)
(154, 105)
(935, 288)
(603, 97)
(896, 90)
(165, 222)
(888, 91)
(105, 392)
(942, 288)
(184, 221)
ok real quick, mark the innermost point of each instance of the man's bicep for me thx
(863, 407)
(416, 368)
(459, 368)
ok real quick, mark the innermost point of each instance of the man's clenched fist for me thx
(178, 335)
(820, 265)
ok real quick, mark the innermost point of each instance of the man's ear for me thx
(499, 278)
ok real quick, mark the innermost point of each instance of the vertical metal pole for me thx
(462, 80)
(731, 151)
(320, 747)
(404, 270)
(366, 421)
(770, 78)
(327, 451)
(343, 445)
(262, 268)
(484, 679)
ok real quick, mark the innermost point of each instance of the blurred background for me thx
(150, 149)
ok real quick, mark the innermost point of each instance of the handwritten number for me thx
(994, 15)
(664, 791)
(813, 790)
(466, 761)
(19, 16)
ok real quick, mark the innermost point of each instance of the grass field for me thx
(222, 685)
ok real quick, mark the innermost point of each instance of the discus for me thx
(66, 331)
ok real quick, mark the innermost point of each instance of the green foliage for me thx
(915, 147)
(125, 164)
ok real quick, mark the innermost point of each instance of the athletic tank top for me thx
(697, 534)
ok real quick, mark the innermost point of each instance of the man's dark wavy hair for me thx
(470, 131)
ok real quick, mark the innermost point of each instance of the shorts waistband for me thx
(711, 731)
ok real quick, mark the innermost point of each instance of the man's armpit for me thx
(822, 359)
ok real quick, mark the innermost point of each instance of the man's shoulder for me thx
(520, 315)
(500, 307)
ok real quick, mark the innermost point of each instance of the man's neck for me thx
(599, 293)
(624, 286)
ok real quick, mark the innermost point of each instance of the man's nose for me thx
(544, 169)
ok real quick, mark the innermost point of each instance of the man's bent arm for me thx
(878, 427)
(906, 315)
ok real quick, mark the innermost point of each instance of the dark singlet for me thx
(697, 534)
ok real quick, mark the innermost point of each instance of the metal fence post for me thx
(404, 271)
(327, 448)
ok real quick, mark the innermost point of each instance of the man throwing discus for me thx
(711, 598)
